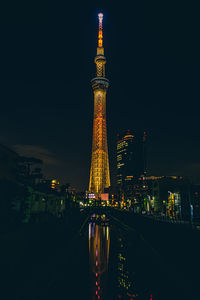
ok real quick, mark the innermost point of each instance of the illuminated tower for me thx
(99, 172)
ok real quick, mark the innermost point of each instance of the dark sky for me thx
(153, 62)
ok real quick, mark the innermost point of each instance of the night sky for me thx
(153, 63)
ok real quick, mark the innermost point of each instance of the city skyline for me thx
(154, 86)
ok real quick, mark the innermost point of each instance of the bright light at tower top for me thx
(100, 15)
(100, 37)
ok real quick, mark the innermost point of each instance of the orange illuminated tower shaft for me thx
(99, 172)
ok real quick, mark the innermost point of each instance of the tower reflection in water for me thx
(99, 246)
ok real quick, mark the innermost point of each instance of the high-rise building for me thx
(99, 172)
(131, 157)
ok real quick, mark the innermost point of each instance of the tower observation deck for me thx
(99, 172)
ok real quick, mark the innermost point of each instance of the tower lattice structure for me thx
(99, 172)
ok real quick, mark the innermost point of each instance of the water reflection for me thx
(114, 278)
(99, 246)
(125, 278)
(129, 284)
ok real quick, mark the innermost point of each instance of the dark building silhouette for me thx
(8, 186)
(8, 163)
(195, 202)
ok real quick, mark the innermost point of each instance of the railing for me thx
(193, 224)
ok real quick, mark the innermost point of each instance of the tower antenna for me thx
(100, 36)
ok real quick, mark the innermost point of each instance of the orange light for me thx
(100, 34)
(100, 43)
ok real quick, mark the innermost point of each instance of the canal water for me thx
(123, 266)
(112, 261)
(100, 258)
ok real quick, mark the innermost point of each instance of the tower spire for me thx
(100, 36)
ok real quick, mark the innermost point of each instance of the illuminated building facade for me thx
(171, 197)
(131, 157)
(54, 184)
(99, 172)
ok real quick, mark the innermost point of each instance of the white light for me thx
(100, 15)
